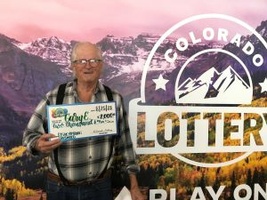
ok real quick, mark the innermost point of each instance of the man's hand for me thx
(47, 143)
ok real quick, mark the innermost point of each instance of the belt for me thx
(54, 177)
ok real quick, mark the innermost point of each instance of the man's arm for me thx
(134, 188)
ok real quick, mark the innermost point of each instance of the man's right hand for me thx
(47, 143)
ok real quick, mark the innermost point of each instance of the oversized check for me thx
(74, 121)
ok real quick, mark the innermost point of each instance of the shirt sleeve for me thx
(125, 145)
(35, 127)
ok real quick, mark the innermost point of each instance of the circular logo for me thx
(199, 89)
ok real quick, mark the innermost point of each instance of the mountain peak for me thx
(215, 88)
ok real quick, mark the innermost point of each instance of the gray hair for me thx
(77, 44)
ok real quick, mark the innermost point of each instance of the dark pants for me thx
(100, 190)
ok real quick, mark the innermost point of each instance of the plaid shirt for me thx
(83, 159)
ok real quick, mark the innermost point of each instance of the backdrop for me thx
(193, 76)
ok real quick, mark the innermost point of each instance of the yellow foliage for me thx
(15, 185)
(14, 153)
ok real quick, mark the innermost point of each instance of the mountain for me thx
(203, 62)
(214, 87)
(25, 75)
(24, 79)
(29, 70)
(11, 124)
(50, 49)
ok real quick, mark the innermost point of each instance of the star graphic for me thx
(264, 86)
(160, 82)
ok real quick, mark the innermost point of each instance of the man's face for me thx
(87, 64)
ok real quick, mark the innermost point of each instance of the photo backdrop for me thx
(193, 76)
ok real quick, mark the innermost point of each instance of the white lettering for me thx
(241, 192)
(258, 189)
(208, 34)
(193, 38)
(212, 193)
(248, 48)
(172, 194)
(168, 58)
(243, 189)
(198, 194)
(177, 138)
(182, 44)
(236, 40)
(222, 34)
(258, 60)
(157, 194)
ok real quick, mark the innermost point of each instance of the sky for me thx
(27, 20)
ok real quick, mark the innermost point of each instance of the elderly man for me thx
(80, 169)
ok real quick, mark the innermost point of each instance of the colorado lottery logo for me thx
(59, 112)
(203, 93)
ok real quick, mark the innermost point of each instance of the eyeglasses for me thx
(83, 62)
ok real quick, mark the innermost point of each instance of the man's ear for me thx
(73, 70)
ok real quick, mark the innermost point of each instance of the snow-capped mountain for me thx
(29, 70)
(124, 57)
(212, 86)
(51, 49)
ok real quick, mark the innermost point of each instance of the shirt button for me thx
(90, 157)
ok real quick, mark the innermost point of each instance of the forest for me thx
(157, 171)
